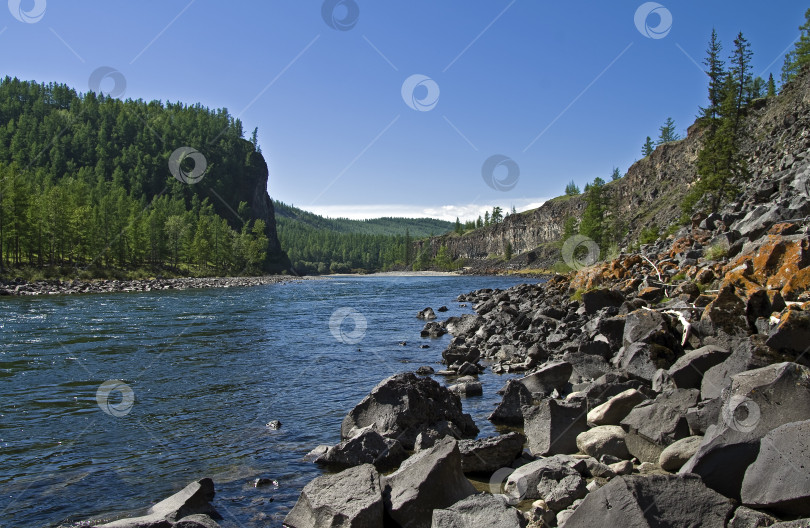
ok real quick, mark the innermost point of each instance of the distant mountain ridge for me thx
(416, 227)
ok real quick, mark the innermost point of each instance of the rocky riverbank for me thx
(68, 287)
(669, 387)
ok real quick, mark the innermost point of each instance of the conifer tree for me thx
(797, 58)
(715, 69)
(771, 88)
(571, 189)
(667, 132)
(648, 147)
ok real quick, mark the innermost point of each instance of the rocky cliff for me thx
(652, 189)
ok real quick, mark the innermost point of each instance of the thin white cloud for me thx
(442, 212)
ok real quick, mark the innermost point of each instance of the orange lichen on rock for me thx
(797, 284)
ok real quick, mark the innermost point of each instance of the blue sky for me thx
(565, 90)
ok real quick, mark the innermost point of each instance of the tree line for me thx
(85, 183)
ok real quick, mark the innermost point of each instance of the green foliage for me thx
(507, 253)
(715, 69)
(648, 147)
(799, 57)
(771, 87)
(569, 228)
(616, 174)
(593, 217)
(571, 189)
(497, 215)
(417, 227)
(678, 277)
(649, 235)
(717, 252)
(667, 132)
(85, 184)
(719, 161)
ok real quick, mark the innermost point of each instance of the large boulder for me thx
(351, 498)
(543, 381)
(792, 334)
(725, 314)
(596, 299)
(487, 455)
(665, 501)
(757, 402)
(466, 324)
(675, 455)
(687, 371)
(557, 480)
(748, 518)
(369, 447)
(655, 424)
(643, 360)
(747, 354)
(613, 411)
(649, 326)
(509, 410)
(604, 440)
(779, 478)
(194, 499)
(484, 509)
(404, 405)
(552, 426)
(429, 480)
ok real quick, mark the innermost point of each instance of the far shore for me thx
(399, 274)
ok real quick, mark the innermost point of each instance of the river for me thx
(193, 377)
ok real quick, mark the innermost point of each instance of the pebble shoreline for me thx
(18, 287)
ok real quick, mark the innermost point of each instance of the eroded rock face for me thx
(402, 406)
(652, 500)
(429, 480)
(351, 498)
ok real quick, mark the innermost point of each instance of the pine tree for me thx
(648, 147)
(486, 218)
(507, 252)
(593, 217)
(616, 174)
(458, 229)
(571, 189)
(715, 69)
(796, 59)
(497, 215)
(667, 132)
(771, 88)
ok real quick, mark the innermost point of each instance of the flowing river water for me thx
(193, 377)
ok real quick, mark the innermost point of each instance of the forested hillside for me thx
(417, 227)
(318, 245)
(85, 184)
